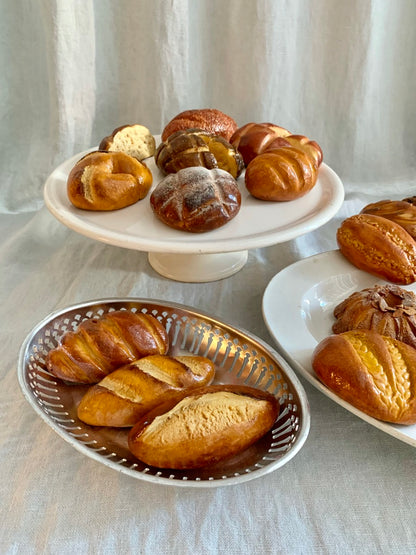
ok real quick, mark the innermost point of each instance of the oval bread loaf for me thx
(372, 372)
(126, 394)
(101, 345)
(203, 427)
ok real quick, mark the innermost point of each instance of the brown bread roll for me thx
(211, 120)
(282, 174)
(126, 394)
(195, 147)
(253, 139)
(387, 309)
(108, 181)
(378, 246)
(196, 199)
(372, 372)
(203, 427)
(101, 345)
(398, 211)
(134, 140)
(311, 148)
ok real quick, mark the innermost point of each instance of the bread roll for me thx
(378, 246)
(372, 372)
(196, 199)
(195, 147)
(203, 427)
(399, 211)
(134, 140)
(126, 394)
(283, 174)
(101, 345)
(209, 119)
(107, 181)
(311, 148)
(253, 139)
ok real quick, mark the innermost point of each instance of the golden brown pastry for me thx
(196, 199)
(134, 140)
(101, 345)
(399, 211)
(209, 119)
(372, 372)
(387, 309)
(203, 427)
(126, 394)
(195, 147)
(378, 246)
(108, 181)
(253, 139)
(283, 174)
(300, 141)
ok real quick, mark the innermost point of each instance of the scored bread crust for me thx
(372, 372)
(203, 427)
(209, 119)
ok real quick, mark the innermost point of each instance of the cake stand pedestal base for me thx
(198, 268)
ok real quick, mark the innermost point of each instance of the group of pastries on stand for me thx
(175, 415)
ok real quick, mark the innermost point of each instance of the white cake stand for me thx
(200, 257)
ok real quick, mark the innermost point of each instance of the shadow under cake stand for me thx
(201, 257)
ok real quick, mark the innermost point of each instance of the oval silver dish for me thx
(240, 358)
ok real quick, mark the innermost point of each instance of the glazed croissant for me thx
(126, 394)
(101, 345)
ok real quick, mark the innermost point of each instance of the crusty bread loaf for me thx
(196, 199)
(203, 427)
(372, 372)
(283, 174)
(126, 394)
(108, 181)
(399, 211)
(134, 140)
(378, 246)
(196, 147)
(311, 148)
(101, 345)
(253, 139)
(211, 120)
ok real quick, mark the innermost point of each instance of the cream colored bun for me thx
(134, 140)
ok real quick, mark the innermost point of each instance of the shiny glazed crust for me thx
(374, 373)
(253, 139)
(283, 174)
(378, 246)
(311, 148)
(108, 181)
(211, 120)
(399, 211)
(203, 427)
(126, 394)
(134, 140)
(101, 345)
(196, 199)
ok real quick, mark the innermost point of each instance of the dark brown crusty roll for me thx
(282, 174)
(253, 139)
(211, 120)
(134, 140)
(387, 309)
(196, 199)
(203, 427)
(372, 372)
(196, 147)
(126, 394)
(108, 181)
(101, 345)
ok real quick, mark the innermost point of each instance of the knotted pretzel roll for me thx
(108, 181)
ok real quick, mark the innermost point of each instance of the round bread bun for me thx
(209, 119)
(254, 138)
(134, 140)
(108, 181)
(196, 199)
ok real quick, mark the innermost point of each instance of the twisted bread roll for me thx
(126, 394)
(399, 211)
(134, 140)
(196, 199)
(101, 345)
(107, 181)
(202, 427)
(283, 174)
(211, 120)
(254, 138)
(372, 372)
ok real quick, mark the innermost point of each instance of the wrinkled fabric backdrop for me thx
(340, 72)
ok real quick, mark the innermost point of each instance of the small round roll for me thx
(209, 119)
(108, 181)
(134, 140)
